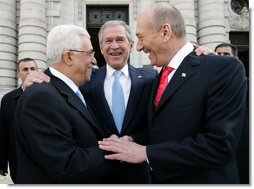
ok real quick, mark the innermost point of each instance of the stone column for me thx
(187, 9)
(8, 45)
(68, 11)
(32, 31)
(212, 27)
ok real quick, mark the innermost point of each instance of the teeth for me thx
(115, 54)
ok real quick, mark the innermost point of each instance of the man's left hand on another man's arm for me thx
(123, 150)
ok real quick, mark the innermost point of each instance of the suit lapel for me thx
(152, 96)
(18, 92)
(72, 99)
(184, 72)
(135, 94)
(101, 101)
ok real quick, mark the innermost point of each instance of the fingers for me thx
(43, 76)
(111, 145)
(117, 146)
(35, 77)
(127, 138)
(113, 157)
(113, 136)
(203, 50)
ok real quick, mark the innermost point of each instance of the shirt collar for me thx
(110, 70)
(180, 55)
(64, 78)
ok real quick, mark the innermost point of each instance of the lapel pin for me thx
(139, 76)
(183, 74)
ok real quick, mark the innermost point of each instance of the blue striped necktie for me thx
(118, 105)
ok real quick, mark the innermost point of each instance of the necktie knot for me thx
(166, 71)
(117, 74)
(163, 84)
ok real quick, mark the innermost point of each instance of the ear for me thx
(166, 31)
(131, 45)
(101, 49)
(67, 57)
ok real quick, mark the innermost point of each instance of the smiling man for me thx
(195, 127)
(116, 43)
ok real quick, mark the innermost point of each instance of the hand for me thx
(128, 138)
(202, 50)
(123, 150)
(3, 173)
(35, 77)
(125, 137)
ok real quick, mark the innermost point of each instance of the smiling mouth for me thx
(115, 54)
(146, 51)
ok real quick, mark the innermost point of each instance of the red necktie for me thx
(163, 84)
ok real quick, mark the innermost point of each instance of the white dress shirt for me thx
(64, 78)
(125, 81)
(178, 58)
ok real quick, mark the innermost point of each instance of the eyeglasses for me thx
(89, 53)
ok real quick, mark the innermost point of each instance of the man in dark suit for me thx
(8, 107)
(116, 41)
(194, 128)
(56, 133)
(242, 153)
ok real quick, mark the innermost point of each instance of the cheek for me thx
(104, 49)
(88, 73)
(87, 69)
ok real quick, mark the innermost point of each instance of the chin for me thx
(87, 79)
(153, 63)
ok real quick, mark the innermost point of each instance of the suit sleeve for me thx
(4, 139)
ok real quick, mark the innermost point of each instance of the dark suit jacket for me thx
(135, 117)
(194, 132)
(243, 150)
(57, 137)
(7, 140)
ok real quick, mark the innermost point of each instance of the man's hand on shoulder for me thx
(202, 50)
(35, 77)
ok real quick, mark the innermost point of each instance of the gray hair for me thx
(62, 38)
(114, 23)
(165, 13)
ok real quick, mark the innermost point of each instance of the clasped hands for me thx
(123, 149)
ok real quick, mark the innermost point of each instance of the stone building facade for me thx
(24, 25)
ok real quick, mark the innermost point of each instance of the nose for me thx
(28, 70)
(94, 62)
(114, 45)
(139, 45)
